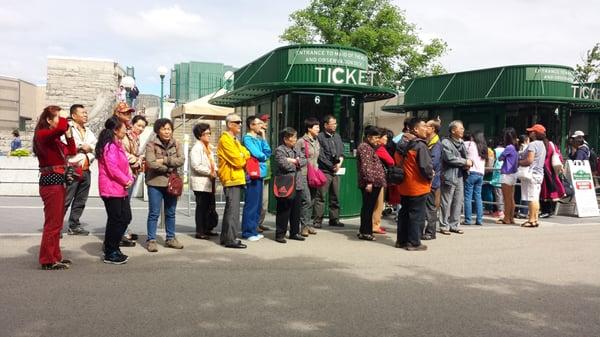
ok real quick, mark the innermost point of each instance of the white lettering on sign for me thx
(337, 80)
(585, 92)
(340, 75)
(320, 75)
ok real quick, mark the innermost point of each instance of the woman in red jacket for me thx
(52, 153)
(371, 179)
(387, 160)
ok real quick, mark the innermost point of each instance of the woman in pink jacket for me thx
(114, 178)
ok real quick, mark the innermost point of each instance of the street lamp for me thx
(128, 83)
(162, 71)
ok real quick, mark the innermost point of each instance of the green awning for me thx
(314, 68)
(532, 83)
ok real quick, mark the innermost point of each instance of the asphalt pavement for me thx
(495, 280)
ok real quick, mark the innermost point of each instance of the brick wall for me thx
(91, 82)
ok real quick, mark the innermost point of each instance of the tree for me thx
(376, 26)
(589, 71)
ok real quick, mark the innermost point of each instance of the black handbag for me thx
(569, 191)
(284, 187)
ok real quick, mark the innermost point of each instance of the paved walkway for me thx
(492, 281)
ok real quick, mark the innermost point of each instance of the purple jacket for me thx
(510, 159)
(113, 171)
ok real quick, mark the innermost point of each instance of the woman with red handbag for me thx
(309, 145)
(51, 153)
(163, 157)
(288, 185)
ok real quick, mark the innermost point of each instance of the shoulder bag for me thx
(253, 168)
(316, 178)
(556, 162)
(175, 184)
(284, 187)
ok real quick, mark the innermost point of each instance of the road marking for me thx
(87, 208)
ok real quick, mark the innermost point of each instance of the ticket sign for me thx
(580, 174)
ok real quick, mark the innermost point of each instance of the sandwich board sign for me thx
(579, 173)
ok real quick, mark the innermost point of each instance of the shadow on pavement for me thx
(231, 294)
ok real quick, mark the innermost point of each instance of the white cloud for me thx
(158, 23)
(10, 19)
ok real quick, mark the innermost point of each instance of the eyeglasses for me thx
(236, 122)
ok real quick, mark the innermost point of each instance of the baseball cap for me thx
(578, 133)
(539, 128)
(264, 117)
(122, 107)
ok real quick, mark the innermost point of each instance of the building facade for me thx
(192, 80)
(87, 81)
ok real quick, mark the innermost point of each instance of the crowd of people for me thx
(435, 181)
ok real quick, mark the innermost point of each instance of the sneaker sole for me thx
(82, 234)
(115, 262)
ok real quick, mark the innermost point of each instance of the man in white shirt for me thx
(79, 189)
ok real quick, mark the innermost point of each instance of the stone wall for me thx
(91, 82)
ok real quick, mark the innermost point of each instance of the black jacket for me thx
(332, 149)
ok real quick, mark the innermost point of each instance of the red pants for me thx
(54, 212)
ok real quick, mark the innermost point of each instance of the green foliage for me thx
(589, 71)
(20, 153)
(376, 26)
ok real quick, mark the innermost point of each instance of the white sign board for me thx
(580, 175)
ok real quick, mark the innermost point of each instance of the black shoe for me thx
(55, 266)
(281, 240)
(317, 225)
(132, 236)
(211, 233)
(202, 237)
(297, 237)
(237, 245)
(336, 224)
(545, 215)
(264, 228)
(412, 248)
(126, 243)
(115, 258)
(367, 237)
(400, 245)
(77, 231)
(427, 237)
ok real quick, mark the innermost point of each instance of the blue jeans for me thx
(252, 208)
(473, 193)
(156, 195)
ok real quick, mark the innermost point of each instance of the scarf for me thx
(433, 141)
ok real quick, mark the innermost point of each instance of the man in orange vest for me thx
(418, 173)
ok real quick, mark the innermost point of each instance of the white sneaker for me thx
(253, 238)
(260, 236)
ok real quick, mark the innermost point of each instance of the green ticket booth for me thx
(518, 96)
(295, 82)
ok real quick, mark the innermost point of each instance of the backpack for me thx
(395, 174)
(593, 161)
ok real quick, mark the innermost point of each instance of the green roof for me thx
(537, 83)
(319, 68)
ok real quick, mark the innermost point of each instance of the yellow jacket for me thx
(232, 159)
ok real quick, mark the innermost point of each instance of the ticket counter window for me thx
(300, 106)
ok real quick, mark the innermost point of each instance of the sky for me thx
(148, 34)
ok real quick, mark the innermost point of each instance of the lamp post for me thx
(128, 83)
(162, 71)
